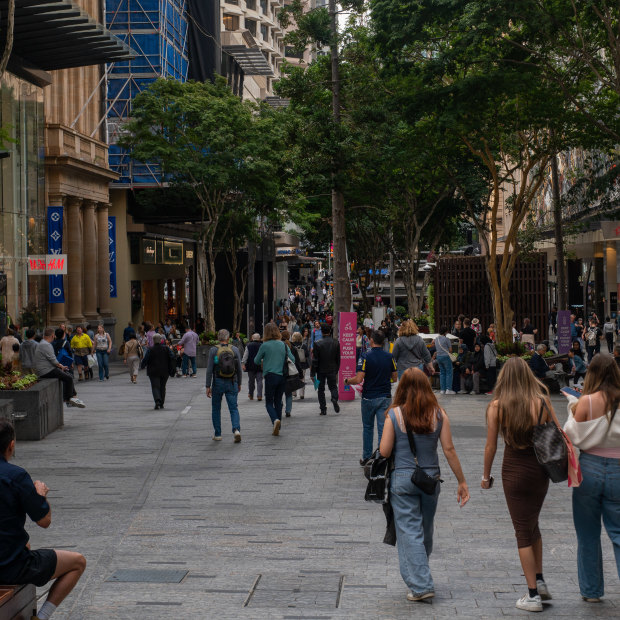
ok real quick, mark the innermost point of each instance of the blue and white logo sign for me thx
(112, 250)
(54, 246)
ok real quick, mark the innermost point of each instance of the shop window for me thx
(134, 248)
(250, 24)
(231, 22)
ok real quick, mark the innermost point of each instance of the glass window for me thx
(250, 24)
(264, 7)
(291, 53)
(236, 2)
(231, 22)
(264, 32)
(250, 4)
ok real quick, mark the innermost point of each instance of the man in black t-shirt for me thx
(20, 496)
(468, 335)
(377, 369)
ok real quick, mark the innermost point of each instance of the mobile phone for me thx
(570, 392)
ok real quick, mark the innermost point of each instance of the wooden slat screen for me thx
(462, 287)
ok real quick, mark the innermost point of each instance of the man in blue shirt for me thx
(377, 369)
(20, 496)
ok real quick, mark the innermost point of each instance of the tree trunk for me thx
(8, 45)
(342, 287)
(559, 235)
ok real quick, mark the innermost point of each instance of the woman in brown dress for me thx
(519, 399)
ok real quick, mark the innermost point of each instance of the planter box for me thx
(202, 355)
(37, 411)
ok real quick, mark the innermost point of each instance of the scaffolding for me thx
(156, 30)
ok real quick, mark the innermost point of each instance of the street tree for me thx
(209, 142)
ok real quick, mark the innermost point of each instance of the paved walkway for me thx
(274, 527)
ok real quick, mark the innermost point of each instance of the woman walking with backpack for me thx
(416, 420)
(595, 430)
(272, 355)
(521, 402)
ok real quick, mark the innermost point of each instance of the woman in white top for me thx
(609, 329)
(102, 346)
(594, 428)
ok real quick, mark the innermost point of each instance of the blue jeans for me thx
(445, 372)
(597, 498)
(371, 408)
(402, 372)
(414, 515)
(274, 390)
(102, 360)
(229, 389)
(185, 363)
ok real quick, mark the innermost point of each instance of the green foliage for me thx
(430, 296)
(14, 380)
(510, 348)
(401, 311)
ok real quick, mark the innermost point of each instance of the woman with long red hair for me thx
(415, 409)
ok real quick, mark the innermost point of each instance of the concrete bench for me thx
(18, 602)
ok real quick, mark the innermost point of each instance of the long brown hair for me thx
(516, 389)
(416, 400)
(604, 376)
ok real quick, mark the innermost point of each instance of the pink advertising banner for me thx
(348, 332)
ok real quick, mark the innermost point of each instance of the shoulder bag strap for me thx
(543, 406)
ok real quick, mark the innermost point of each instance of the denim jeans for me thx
(445, 372)
(185, 364)
(274, 390)
(102, 360)
(597, 498)
(229, 389)
(414, 515)
(402, 372)
(371, 408)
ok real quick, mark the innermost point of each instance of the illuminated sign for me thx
(173, 253)
(149, 251)
(47, 264)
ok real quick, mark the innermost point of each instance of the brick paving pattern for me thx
(175, 525)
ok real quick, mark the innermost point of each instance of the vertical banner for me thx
(56, 287)
(112, 250)
(347, 322)
(564, 338)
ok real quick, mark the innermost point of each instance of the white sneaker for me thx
(530, 603)
(543, 590)
(451, 392)
(217, 438)
(442, 391)
(276, 428)
(419, 597)
(237, 436)
(76, 402)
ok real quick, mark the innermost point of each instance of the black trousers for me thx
(158, 387)
(68, 390)
(332, 384)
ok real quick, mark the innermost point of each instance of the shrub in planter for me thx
(15, 380)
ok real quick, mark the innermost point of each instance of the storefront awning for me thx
(250, 59)
(56, 34)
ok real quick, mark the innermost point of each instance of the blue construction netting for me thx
(157, 31)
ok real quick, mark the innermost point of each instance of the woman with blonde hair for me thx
(410, 350)
(271, 356)
(521, 402)
(415, 410)
(595, 430)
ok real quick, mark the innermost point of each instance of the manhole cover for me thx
(317, 591)
(148, 575)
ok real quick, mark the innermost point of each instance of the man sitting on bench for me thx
(20, 496)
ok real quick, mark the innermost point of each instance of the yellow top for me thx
(81, 342)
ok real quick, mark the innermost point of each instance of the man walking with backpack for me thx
(224, 379)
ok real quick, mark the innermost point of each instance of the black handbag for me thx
(550, 448)
(427, 484)
(377, 470)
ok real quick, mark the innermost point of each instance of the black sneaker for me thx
(323, 413)
(336, 405)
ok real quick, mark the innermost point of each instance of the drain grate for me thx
(147, 575)
(317, 590)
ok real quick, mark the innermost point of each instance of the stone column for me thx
(75, 271)
(57, 311)
(103, 260)
(90, 261)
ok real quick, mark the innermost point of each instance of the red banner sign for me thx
(48, 265)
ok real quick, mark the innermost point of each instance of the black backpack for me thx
(226, 362)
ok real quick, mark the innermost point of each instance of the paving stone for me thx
(133, 488)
